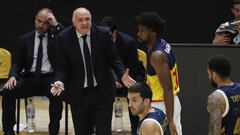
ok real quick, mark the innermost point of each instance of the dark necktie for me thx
(39, 57)
(88, 62)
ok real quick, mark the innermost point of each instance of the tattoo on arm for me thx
(216, 107)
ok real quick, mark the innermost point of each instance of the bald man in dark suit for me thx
(86, 56)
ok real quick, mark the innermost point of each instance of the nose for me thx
(138, 34)
(84, 22)
(41, 24)
(129, 104)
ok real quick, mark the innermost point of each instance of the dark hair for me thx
(110, 22)
(233, 2)
(142, 88)
(153, 21)
(220, 64)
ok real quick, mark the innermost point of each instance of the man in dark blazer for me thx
(127, 49)
(86, 80)
(33, 71)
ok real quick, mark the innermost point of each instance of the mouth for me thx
(131, 109)
(140, 40)
(85, 27)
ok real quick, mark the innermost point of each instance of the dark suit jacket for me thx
(70, 68)
(24, 54)
(127, 49)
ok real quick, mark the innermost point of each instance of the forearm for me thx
(214, 126)
(166, 81)
(216, 105)
(169, 104)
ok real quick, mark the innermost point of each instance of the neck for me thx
(225, 82)
(145, 112)
(151, 43)
(114, 35)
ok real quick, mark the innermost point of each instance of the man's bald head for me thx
(82, 20)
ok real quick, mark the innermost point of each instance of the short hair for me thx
(153, 21)
(142, 88)
(110, 22)
(220, 64)
(233, 2)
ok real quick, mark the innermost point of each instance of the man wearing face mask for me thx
(224, 103)
(33, 71)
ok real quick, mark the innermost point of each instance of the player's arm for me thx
(159, 62)
(216, 106)
(150, 128)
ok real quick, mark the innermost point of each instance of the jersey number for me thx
(237, 127)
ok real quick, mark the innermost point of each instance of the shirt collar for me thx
(37, 34)
(79, 35)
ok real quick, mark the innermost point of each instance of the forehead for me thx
(236, 6)
(143, 27)
(81, 13)
(133, 95)
(42, 15)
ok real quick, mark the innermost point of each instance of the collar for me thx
(79, 35)
(37, 34)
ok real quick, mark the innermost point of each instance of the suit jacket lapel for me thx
(93, 46)
(31, 44)
(49, 44)
(75, 45)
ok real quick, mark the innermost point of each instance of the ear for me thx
(214, 75)
(73, 21)
(232, 10)
(153, 34)
(146, 101)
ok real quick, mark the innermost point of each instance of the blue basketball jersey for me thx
(164, 47)
(159, 117)
(152, 78)
(231, 117)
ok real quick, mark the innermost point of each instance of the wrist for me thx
(58, 26)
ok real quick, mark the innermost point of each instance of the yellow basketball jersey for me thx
(152, 78)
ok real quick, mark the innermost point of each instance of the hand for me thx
(173, 129)
(238, 28)
(10, 84)
(221, 39)
(127, 80)
(57, 88)
(52, 20)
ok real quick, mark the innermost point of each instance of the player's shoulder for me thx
(150, 126)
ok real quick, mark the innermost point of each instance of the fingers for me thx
(10, 84)
(130, 82)
(57, 88)
(55, 92)
(51, 19)
(127, 80)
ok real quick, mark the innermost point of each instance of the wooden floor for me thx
(42, 119)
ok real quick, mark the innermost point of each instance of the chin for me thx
(133, 113)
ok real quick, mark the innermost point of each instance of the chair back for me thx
(5, 63)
